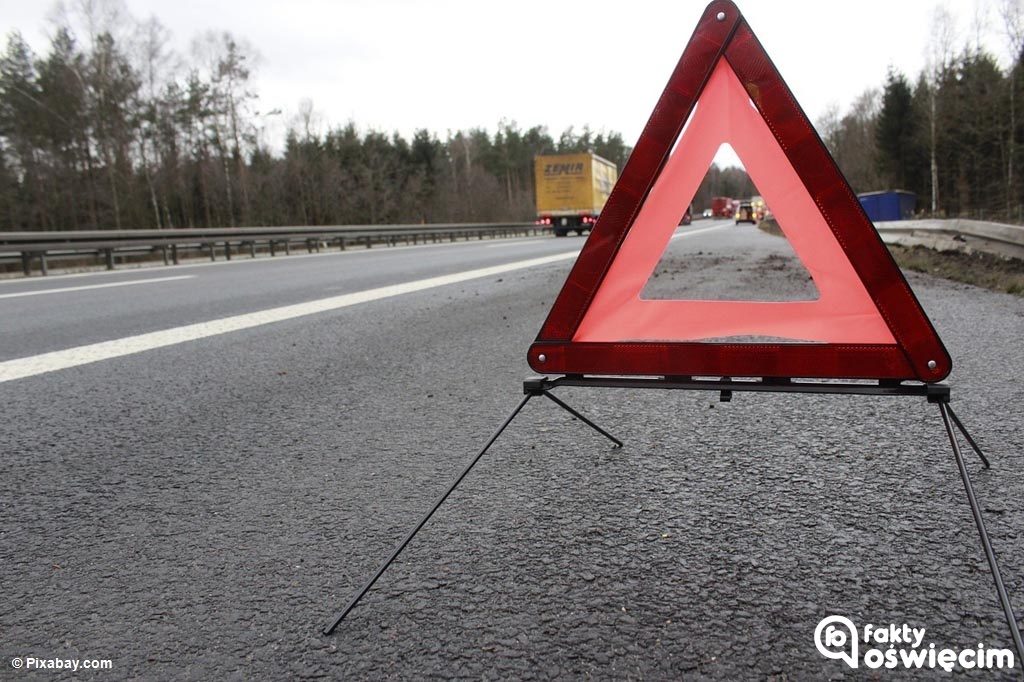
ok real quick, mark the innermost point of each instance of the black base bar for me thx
(933, 392)
(993, 565)
(458, 479)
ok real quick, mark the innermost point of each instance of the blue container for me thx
(888, 205)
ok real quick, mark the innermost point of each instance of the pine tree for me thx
(896, 134)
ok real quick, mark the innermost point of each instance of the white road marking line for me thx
(38, 292)
(674, 236)
(105, 350)
(525, 241)
(703, 229)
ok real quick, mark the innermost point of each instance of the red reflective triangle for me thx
(866, 323)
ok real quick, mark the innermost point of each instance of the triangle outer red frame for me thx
(918, 353)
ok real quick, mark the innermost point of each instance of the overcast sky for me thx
(453, 64)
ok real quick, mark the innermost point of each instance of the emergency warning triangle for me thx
(866, 322)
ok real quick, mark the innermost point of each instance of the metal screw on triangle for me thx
(932, 364)
(720, 16)
(542, 358)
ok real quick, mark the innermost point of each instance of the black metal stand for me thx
(934, 393)
(993, 565)
(458, 479)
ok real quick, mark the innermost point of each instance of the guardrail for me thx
(171, 245)
(109, 245)
(956, 235)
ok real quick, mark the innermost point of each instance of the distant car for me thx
(745, 213)
(708, 213)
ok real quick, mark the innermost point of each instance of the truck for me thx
(721, 207)
(893, 204)
(571, 190)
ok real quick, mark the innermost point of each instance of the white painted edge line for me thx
(677, 235)
(106, 350)
(504, 243)
(39, 292)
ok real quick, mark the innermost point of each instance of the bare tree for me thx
(939, 58)
(227, 63)
(155, 63)
(309, 119)
(1012, 14)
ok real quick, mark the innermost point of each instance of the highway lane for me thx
(44, 323)
(202, 509)
(43, 316)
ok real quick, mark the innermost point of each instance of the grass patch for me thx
(770, 226)
(980, 269)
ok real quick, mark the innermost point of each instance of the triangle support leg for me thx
(398, 549)
(618, 443)
(1004, 598)
(963, 430)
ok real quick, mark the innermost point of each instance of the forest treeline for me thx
(951, 133)
(112, 129)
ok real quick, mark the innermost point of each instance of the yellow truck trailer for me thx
(571, 190)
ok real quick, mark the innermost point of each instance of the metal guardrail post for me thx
(108, 256)
(42, 264)
(174, 253)
(227, 250)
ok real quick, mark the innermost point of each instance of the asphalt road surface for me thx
(199, 471)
